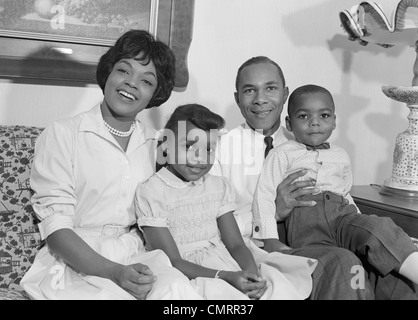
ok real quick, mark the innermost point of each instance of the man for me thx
(261, 93)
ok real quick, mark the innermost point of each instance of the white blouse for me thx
(82, 178)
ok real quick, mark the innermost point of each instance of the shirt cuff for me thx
(260, 231)
(53, 223)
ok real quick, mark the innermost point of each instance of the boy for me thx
(334, 220)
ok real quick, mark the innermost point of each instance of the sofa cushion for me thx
(19, 236)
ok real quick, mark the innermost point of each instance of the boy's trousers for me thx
(378, 242)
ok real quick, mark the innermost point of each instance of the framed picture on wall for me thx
(64, 39)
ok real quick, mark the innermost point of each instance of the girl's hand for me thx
(257, 293)
(137, 279)
(249, 283)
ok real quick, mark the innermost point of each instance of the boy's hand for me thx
(288, 191)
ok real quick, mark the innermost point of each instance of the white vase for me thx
(404, 179)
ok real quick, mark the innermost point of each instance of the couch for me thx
(19, 236)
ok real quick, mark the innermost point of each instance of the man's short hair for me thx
(258, 60)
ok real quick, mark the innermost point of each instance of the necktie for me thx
(269, 145)
(324, 145)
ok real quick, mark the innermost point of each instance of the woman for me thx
(84, 175)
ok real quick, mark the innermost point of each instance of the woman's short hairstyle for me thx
(141, 44)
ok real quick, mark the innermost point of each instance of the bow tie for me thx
(324, 145)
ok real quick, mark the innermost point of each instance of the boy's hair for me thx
(129, 46)
(196, 114)
(258, 60)
(309, 88)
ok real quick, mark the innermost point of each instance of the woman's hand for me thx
(249, 283)
(288, 191)
(137, 279)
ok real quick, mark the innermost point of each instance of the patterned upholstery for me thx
(19, 236)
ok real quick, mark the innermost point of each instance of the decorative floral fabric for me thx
(19, 236)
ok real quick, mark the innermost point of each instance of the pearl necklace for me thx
(118, 133)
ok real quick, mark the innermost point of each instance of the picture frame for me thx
(63, 40)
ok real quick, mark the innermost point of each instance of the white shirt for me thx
(83, 179)
(240, 157)
(330, 168)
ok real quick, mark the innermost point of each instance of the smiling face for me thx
(129, 89)
(312, 118)
(261, 95)
(193, 154)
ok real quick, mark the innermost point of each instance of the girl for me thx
(84, 176)
(188, 213)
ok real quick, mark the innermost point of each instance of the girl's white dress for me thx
(83, 181)
(190, 211)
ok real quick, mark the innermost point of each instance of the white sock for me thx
(409, 267)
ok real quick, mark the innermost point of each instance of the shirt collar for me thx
(303, 146)
(175, 182)
(259, 133)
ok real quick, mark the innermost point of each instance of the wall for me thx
(304, 37)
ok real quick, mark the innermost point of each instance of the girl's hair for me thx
(196, 114)
(309, 88)
(142, 43)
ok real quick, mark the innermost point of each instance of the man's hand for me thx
(288, 191)
(274, 245)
